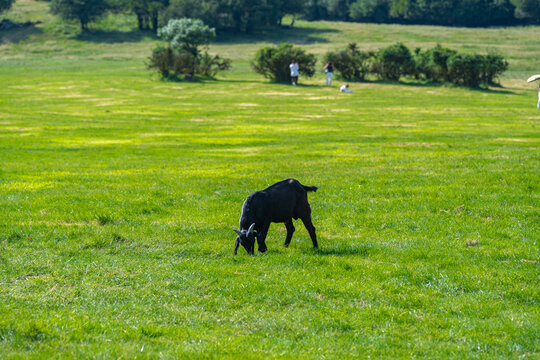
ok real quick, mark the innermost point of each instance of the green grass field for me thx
(119, 193)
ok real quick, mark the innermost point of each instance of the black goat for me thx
(281, 202)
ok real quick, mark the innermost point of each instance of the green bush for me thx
(493, 66)
(175, 64)
(393, 62)
(465, 69)
(208, 65)
(170, 63)
(273, 62)
(476, 70)
(432, 64)
(351, 63)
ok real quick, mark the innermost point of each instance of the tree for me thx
(374, 10)
(248, 14)
(315, 10)
(291, 7)
(528, 9)
(85, 11)
(338, 9)
(147, 12)
(187, 34)
(5, 5)
(235, 15)
(183, 55)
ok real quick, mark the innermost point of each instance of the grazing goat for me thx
(281, 202)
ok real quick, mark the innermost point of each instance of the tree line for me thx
(250, 15)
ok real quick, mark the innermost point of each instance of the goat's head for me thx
(247, 239)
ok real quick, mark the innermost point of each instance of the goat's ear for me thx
(250, 230)
(238, 232)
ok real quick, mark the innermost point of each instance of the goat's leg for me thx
(311, 229)
(290, 230)
(261, 236)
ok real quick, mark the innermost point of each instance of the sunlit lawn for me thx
(119, 193)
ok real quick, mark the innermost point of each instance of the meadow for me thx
(119, 193)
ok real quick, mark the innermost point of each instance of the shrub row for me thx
(437, 64)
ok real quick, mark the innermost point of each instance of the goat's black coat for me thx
(281, 202)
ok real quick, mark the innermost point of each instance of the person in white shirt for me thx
(294, 71)
(345, 88)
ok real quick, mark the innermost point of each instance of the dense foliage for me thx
(439, 12)
(273, 62)
(351, 64)
(251, 15)
(177, 64)
(437, 64)
(235, 15)
(393, 62)
(84, 11)
(432, 64)
(148, 12)
(474, 70)
(5, 4)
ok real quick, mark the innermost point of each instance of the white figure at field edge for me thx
(345, 88)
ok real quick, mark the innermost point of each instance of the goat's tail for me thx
(309, 188)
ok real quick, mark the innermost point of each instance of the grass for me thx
(119, 193)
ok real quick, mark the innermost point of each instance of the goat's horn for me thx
(250, 230)
(236, 246)
(237, 231)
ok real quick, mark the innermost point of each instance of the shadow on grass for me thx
(194, 80)
(420, 83)
(231, 81)
(277, 35)
(14, 36)
(203, 80)
(227, 81)
(290, 86)
(358, 250)
(115, 36)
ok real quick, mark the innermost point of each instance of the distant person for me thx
(329, 70)
(345, 88)
(294, 71)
